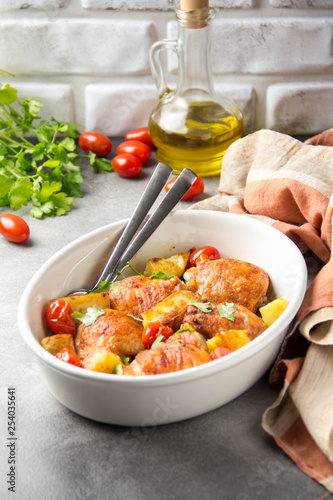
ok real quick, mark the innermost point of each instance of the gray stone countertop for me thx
(224, 454)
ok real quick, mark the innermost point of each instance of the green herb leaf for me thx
(5, 185)
(185, 329)
(7, 94)
(20, 193)
(118, 369)
(89, 317)
(157, 341)
(126, 360)
(205, 307)
(162, 276)
(227, 311)
(100, 165)
(104, 286)
(142, 320)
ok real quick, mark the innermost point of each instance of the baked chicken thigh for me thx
(171, 356)
(228, 280)
(211, 323)
(113, 331)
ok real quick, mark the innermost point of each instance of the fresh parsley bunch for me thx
(43, 171)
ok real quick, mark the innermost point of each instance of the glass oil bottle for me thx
(190, 126)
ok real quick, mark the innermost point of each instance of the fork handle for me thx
(153, 189)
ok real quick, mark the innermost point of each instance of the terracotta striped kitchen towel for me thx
(289, 184)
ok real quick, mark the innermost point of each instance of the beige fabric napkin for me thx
(289, 184)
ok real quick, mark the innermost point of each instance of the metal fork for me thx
(127, 247)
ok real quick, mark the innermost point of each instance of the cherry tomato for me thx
(14, 228)
(68, 356)
(127, 165)
(211, 252)
(58, 317)
(220, 352)
(140, 134)
(135, 148)
(195, 190)
(96, 142)
(153, 330)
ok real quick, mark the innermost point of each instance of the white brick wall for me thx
(12, 5)
(300, 109)
(88, 60)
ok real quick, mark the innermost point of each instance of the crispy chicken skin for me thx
(189, 337)
(209, 324)
(113, 331)
(228, 280)
(167, 357)
(136, 294)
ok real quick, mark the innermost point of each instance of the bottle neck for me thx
(194, 71)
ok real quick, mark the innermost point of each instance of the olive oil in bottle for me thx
(191, 126)
(197, 141)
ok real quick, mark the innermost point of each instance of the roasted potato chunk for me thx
(54, 343)
(174, 265)
(171, 310)
(271, 311)
(80, 303)
(233, 339)
(101, 360)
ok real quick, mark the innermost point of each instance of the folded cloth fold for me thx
(289, 185)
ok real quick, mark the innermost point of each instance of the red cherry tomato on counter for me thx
(14, 228)
(126, 165)
(58, 317)
(195, 190)
(140, 134)
(68, 356)
(220, 352)
(135, 148)
(96, 142)
(211, 252)
(153, 330)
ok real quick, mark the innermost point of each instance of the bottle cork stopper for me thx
(193, 4)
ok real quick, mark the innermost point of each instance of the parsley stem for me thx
(15, 130)
(15, 174)
(54, 136)
(131, 267)
(10, 139)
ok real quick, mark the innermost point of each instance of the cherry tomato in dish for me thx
(69, 356)
(196, 189)
(211, 252)
(126, 165)
(14, 228)
(135, 148)
(220, 352)
(140, 134)
(58, 317)
(96, 142)
(153, 330)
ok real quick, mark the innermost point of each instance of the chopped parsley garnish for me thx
(227, 311)
(157, 341)
(104, 286)
(205, 307)
(185, 329)
(89, 317)
(118, 369)
(162, 276)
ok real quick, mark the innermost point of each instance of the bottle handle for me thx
(156, 66)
